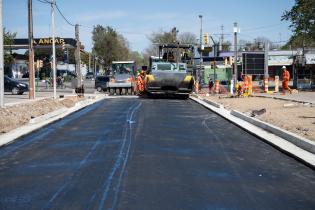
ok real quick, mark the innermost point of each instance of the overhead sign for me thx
(48, 41)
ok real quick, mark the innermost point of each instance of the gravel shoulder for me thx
(295, 117)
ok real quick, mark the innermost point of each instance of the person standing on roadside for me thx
(285, 80)
(210, 85)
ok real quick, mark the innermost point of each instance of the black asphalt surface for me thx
(150, 154)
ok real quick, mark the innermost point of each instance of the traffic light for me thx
(206, 38)
(37, 64)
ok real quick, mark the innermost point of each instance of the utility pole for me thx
(200, 61)
(1, 60)
(31, 52)
(67, 58)
(266, 73)
(89, 62)
(94, 65)
(53, 46)
(77, 57)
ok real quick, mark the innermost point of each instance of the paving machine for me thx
(122, 78)
(168, 73)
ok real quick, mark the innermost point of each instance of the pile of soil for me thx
(15, 116)
(296, 117)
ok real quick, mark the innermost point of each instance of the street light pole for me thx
(215, 48)
(235, 29)
(200, 61)
(53, 46)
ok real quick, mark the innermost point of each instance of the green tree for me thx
(108, 45)
(8, 40)
(84, 58)
(302, 20)
(138, 58)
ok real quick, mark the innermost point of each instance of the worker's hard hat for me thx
(283, 67)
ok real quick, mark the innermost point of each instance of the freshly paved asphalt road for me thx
(149, 154)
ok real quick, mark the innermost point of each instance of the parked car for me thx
(89, 75)
(14, 86)
(101, 83)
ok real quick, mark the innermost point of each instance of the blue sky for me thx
(137, 19)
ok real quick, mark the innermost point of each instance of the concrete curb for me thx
(274, 139)
(295, 139)
(46, 119)
(213, 103)
(47, 116)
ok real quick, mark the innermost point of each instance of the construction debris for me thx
(255, 113)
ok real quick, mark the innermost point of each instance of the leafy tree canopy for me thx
(108, 45)
(8, 40)
(302, 18)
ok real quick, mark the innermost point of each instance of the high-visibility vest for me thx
(286, 75)
(140, 83)
(246, 82)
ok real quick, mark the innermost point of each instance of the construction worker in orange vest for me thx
(285, 80)
(246, 84)
(140, 82)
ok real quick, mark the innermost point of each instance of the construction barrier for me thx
(266, 85)
(217, 86)
(276, 84)
(250, 84)
(232, 87)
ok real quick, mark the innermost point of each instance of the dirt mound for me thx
(15, 116)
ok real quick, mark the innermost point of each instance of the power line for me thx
(63, 16)
(44, 1)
